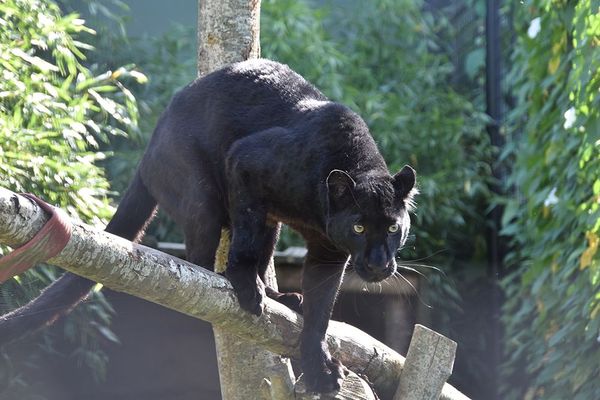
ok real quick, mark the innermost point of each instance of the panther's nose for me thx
(376, 267)
(378, 271)
(377, 261)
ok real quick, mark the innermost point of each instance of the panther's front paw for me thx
(250, 294)
(251, 300)
(327, 378)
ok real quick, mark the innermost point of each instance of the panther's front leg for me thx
(323, 272)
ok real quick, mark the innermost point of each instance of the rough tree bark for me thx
(425, 370)
(247, 371)
(229, 31)
(154, 276)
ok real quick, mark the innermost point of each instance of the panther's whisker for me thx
(413, 264)
(399, 275)
(407, 268)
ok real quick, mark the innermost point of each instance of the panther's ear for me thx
(404, 182)
(339, 187)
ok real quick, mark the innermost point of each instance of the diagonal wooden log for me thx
(199, 293)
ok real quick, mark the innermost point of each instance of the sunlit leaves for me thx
(54, 115)
(555, 256)
(54, 110)
(587, 257)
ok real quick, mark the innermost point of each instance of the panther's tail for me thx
(131, 218)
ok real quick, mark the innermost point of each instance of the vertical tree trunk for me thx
(247, 371)
(228, 31)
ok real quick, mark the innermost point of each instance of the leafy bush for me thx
(54, 114)
(168, 62)
(552, 313)
(55, 111)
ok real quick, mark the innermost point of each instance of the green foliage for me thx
(383, 63)
(178, 46)
(55, 111)
(169, 62)
(552, 313)
(54, 115)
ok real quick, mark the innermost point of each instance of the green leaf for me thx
(474, 62)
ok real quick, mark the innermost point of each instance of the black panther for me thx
(249, 147)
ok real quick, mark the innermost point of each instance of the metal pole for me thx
(494, 107)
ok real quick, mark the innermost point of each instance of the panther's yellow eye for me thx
(358, 228)
(393, 228)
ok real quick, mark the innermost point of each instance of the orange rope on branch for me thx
(47, 243)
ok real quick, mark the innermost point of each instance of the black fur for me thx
(253, 145)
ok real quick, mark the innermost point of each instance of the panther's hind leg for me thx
(292, 300)
(202, 240)
(191, 197)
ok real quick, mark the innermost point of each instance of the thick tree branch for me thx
(184, 287)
